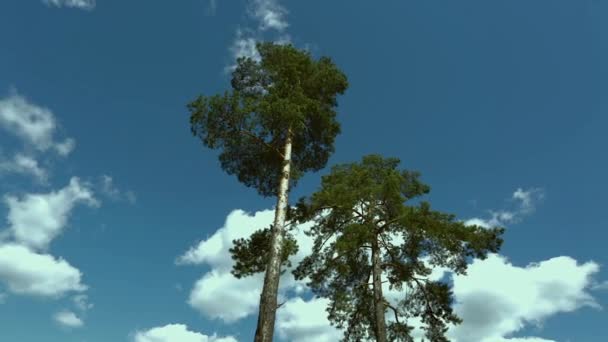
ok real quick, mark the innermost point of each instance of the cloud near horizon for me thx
(80, 4)
(492, 308)
(176, 333)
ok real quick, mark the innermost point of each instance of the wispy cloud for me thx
(600, 285)
(270, 15)
(523, 203)
(244, 46)
(24, 164)
(68, 319)
(270, 18)
(35, 125)
(109, 189)
(212, 6)
(80, 4)
(81, 302)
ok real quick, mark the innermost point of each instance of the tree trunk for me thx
(268, 298)
(378, 297)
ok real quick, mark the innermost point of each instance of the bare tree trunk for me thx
(268, 298)
(378, 297)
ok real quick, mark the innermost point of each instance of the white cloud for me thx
(492, 305)
(270, 15)
(68, 319)
(81, 302)
(82, 4)
(218, 294)
(64, 148)
(306, 321)
(244, 46)
(522, 339)
(23, 164)
(36, 219)
(2, 297)
(26, 272)
(525, 204)
(496, 299)
(476, 221)
(177, 333)
(35, 125)
(109, 189)
(529, 198)
(601, 286)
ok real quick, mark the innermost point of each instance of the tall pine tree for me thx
(277, 122)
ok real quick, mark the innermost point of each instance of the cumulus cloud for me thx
(68, 319)
(306, 321)
(81, 4)
(24, 164)
(492, 305)
(36, 219)
(34, 124)
(218, 294)
(26, 272)
(177, 333)
(525, 202)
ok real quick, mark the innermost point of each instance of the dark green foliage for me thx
(362, 204)
(286, 91)
(251, 254)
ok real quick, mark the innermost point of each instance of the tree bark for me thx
(268, 298)
(378, 297)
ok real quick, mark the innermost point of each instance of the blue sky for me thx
(116, 221)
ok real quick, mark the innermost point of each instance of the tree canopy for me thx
(285, 92)
(362, 210)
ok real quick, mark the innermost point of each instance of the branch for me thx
(421, 287)
(327, 239)
(395, 311)
(260, 140)
(251, 135)
(381, 228)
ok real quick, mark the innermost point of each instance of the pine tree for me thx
(371, 223)
(277, 122)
